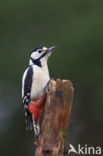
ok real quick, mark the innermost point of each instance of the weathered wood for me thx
(56, 119)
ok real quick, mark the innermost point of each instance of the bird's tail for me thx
(29, 122)
(36, 128)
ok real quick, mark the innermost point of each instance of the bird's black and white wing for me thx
(26, 90)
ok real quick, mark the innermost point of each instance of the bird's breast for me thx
(39, 82)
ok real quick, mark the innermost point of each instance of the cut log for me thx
(56, 119)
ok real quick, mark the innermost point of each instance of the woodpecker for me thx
(34, 83)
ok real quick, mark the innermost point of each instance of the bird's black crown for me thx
(35, 49)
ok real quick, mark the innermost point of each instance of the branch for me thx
(56, 119)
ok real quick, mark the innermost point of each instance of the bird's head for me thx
(40, 55)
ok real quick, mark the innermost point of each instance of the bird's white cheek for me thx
(34, 55)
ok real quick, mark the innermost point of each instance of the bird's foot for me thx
(47, 87)
(47, 90)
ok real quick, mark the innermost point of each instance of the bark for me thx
(56, 119)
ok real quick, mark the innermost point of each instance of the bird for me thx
(34, 86)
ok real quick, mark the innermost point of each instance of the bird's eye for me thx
(39, 51)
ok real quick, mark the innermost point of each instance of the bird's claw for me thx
(47, 90)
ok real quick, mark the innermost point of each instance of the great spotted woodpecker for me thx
(34, 82)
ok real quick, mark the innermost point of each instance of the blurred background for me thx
(76, 28)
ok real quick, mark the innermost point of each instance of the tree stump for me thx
(56, 119)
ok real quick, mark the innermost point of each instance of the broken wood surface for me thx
(55, 119)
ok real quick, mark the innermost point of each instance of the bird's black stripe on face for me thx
(37, 61)
(42, 55)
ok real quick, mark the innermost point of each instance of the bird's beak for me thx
(51, 49)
